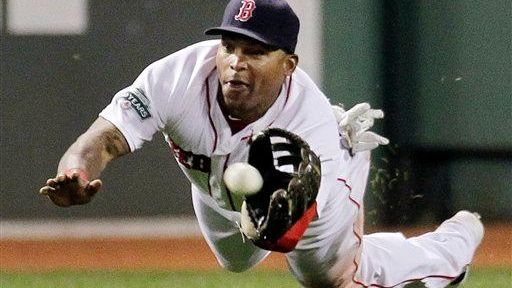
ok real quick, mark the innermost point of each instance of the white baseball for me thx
(243, 179)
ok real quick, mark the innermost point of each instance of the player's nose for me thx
(237, 61)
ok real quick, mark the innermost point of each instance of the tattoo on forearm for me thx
(114, 142)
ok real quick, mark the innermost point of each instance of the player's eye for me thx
(228, 47)
(256, 51)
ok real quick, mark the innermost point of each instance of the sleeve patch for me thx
(136, 100)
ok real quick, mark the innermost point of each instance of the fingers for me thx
(372, 137)
(364, 146)
(368, 141)
(70, 190)
(93, 187)
(46, 190)
(75, 175)
(50, 185)
(356, 111)
(61, 178)
(374, 113)
(364, 124)
(380, 139)
(96, 183)
(51, 182)
(355, 114)
(368, 118)
(353, 128)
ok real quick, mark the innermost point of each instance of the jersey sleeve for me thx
(157, 97)
(135, 110)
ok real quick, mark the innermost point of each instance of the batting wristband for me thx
(81, 173)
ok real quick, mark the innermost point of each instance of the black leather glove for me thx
(276, 217)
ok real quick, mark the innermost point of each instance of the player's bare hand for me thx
(70, 189)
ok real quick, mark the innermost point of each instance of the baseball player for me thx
(243, 99)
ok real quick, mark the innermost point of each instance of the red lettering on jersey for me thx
(189, 159)
(246, 10)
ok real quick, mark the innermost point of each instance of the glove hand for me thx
(276, 217)
(353, 126)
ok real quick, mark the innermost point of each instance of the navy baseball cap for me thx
(272, 22)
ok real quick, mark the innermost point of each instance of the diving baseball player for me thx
(244, 99)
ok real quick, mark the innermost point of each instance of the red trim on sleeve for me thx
(289, 240)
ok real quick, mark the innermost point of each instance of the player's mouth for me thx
(236, 84)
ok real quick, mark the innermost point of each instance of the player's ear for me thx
(290, 63)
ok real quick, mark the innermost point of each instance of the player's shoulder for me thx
(307, 92)
(305, 85)
(201, 51)
(196, 57)
(207, 47)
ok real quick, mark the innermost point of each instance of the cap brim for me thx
(222, 30)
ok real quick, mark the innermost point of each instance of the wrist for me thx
(81, 173)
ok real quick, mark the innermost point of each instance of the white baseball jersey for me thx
(177, 96)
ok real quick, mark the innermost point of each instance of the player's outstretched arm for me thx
(79, 168)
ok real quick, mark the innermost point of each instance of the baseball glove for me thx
(276, 217)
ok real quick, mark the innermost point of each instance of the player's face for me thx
(251, 75)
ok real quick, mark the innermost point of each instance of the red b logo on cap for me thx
(246, 10)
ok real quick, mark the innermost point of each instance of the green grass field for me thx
(481, 278)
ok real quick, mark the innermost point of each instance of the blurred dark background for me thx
(441, 71)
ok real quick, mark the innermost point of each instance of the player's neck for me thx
(235, 124)
(251, 115)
